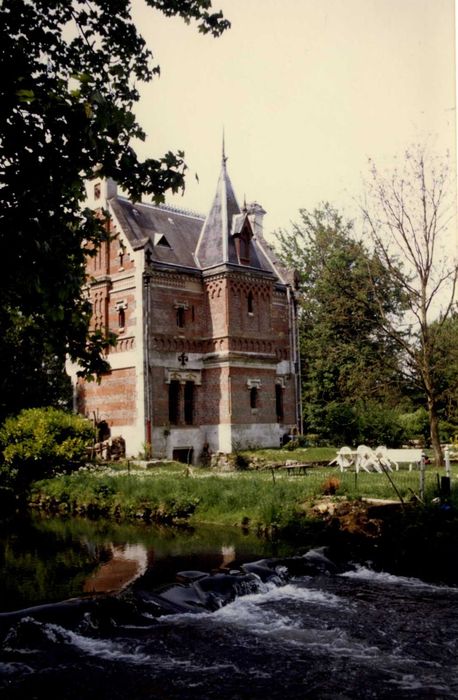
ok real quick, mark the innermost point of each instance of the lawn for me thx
(262, 498)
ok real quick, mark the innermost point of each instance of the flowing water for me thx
(288, 627)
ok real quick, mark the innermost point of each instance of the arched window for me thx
(121, 318)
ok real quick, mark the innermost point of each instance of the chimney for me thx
(98, 191)
(256, 215)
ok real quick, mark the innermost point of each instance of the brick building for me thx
(206, 323)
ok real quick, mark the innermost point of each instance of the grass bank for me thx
(257, 499)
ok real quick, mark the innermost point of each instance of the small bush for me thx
(40, 442)
(330, 486)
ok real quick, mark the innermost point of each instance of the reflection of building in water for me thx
(128, 562)
(228, 555)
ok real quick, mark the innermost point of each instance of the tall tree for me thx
(444, 369)
(70, 70)
(346, 359)
(408, 213)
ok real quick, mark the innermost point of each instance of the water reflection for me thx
(126, 564)
(46, 559)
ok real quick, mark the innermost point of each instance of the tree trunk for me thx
(434, 433)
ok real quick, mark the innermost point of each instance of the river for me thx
(101, 616)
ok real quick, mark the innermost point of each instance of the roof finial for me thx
(224, 150)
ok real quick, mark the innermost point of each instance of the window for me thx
(279, 401)
(97, 190)
(254, 397)
(250, 305)
(121, 307)
(174, 401)
(121, 253)
(189, 403)
(180, 317)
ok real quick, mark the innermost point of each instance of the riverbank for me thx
(322, 506)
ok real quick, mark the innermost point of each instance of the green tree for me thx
(444, 334)
(407, 213)
(347, 361)
(70, 71)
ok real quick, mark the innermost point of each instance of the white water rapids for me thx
(359, 635)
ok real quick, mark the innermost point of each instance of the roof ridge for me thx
(165, 207)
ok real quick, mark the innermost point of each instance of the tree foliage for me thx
(444, 369)
(41, 441)
(347, 361)
(70, 74)
(407, 213)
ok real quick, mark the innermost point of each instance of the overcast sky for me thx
(306, 91)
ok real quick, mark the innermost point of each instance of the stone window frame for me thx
(178, 379)
(121, 307)
(180, 313)
(253, 386)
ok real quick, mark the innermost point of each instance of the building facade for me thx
(206, 358)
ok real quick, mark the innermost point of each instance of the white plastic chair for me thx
(382, 455)
(344, 458)
(366, 459)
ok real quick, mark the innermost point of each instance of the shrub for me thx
(330, 486)
(42, 441)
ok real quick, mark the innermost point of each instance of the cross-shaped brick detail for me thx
(183, 358)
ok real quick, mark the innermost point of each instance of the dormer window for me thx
(97, 190)
(245, 248)
(242, 235)
(161, 240)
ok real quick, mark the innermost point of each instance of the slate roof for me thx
(172, 233)
(186, 239)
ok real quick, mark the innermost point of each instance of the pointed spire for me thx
(224, 157)
(215, 245)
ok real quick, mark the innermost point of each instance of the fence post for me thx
(422, 478)
(447, 462)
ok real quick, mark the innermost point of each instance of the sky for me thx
(305, 91)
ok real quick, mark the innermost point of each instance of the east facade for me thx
(206, 359)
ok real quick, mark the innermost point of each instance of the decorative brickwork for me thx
(206, 329)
